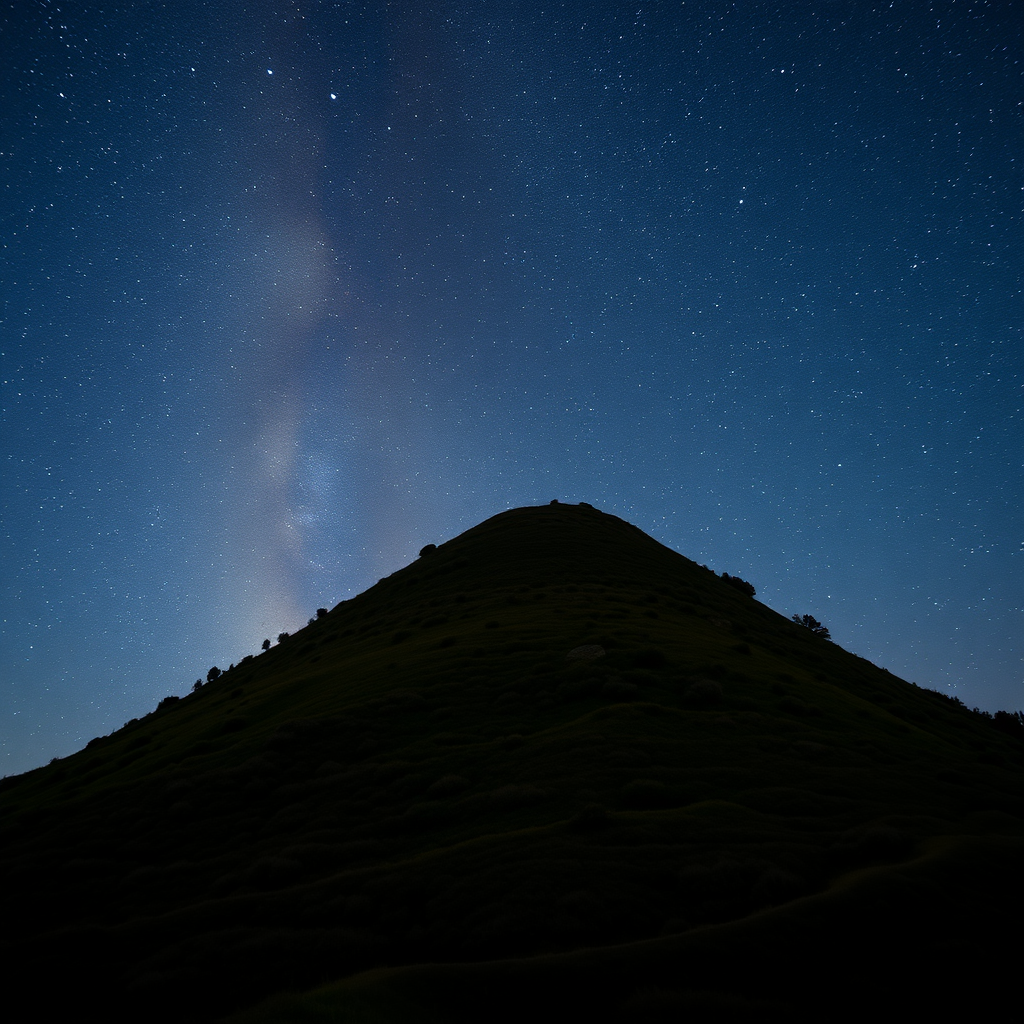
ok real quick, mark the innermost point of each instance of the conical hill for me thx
(551, 768)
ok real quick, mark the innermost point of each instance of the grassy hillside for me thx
(431, 801)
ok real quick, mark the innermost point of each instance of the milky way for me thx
(291, 290)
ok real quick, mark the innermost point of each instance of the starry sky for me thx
(289, 290)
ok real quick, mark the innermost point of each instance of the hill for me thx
(551, 768)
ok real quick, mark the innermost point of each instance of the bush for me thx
(813, 625)
(213, 674)
(447, 785)
(1010, 722)
(427, 549)
(741, 585)
(704, 693)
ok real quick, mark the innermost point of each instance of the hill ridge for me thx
(422, 775)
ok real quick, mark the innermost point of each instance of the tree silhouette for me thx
(813, 625)
(1010, 722)
(741, 585)
(266, 645)
(212, 674)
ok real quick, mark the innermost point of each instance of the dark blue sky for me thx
(288, 291)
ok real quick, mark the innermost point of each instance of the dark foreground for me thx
(418, 808)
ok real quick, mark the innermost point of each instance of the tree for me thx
(197, 685)
(321, 613)
(266, 645)
(214, 673)
(281, 637)
(1010, 722)
(741, 585)
(813, 625)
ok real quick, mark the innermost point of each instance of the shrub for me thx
(266, 645)
(427, 549)
(321, 613)
(704, 693)
(1010, 722)
(813, 625)
(741, 585)
(795, 706)
(447, 785)
(281, 637)
(213, 674)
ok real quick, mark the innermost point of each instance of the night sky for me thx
(288, 291)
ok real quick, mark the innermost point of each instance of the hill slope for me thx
(721, 812)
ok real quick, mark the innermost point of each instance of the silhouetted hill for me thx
(442, 802)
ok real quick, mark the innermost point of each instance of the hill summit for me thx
(550, 768)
